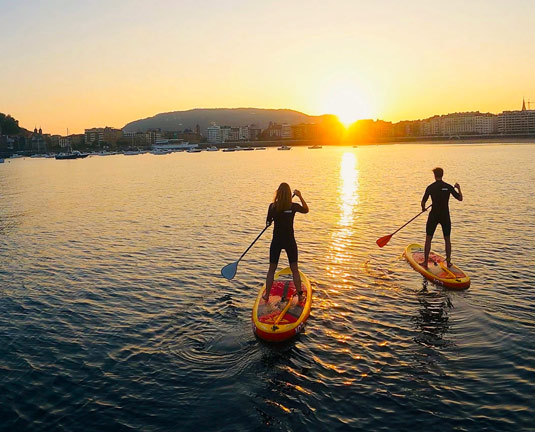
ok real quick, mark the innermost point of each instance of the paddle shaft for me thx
(283, 311)
(251, 245)
(403, 226)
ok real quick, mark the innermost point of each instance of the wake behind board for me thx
(282, 316)
(438, 271)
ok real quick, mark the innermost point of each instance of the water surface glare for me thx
(113, 315)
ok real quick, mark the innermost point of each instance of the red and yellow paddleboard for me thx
(438, 271)
(282, 316)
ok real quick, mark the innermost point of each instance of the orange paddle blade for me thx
(383, 240)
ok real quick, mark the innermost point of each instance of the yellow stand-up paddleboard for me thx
(282, 316)
(437, 272)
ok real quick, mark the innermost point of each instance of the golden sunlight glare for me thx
(347, 102)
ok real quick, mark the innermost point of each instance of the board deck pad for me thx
(437, 268)
(281, 291)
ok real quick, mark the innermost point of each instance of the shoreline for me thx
(414, 140)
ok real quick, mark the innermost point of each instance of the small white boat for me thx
(213, 148)
(16, 156)
(261, 148)
(230, 149)
(194, 150)
(284, 148)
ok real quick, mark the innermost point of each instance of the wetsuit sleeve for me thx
(298, 208)
(425, 197)
(454, 192)
(269, 217)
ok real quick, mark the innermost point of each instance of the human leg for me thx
(293, 255)
(427, 249)
(430, 228)
(447, 241)
(269, 280)
(297, 280)
(274, 254)
(446, 230)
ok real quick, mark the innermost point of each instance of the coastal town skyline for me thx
(95, 63)
(247, 125)
(526, 105)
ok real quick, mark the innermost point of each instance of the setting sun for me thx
(348, 102)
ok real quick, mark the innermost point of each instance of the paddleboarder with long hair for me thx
(282, 212)
(440, 192)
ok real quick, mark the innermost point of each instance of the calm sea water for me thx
(113, 315)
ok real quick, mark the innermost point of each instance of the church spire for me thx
(523, 105)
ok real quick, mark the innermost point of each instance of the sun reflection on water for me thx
(340, 248)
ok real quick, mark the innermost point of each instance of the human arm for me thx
(304, 206)
(269, 217)
(457, 193)
(425, 198)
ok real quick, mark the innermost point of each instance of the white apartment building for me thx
(214, 134)
(470, 123)
(225, 133)
(244, 133)
(517, 122)
(286, 131)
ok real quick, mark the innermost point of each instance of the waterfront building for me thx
(286, 131)
(234, 134)
(244, 133)
(152, 135)
(38, 141)
(107, 135)
(254, 132)
(407, 128)
(273, 131)
(70, 141)
(465, 123)
(225, 133)
(517, 122)
(214, 134)
(305, 131)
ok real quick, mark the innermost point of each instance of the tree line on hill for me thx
(8, 125)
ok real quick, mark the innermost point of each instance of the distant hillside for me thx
(179, 120)
(8, 125)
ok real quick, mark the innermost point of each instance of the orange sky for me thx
(87, 64)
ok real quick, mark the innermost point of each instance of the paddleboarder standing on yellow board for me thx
(440, 192)
(282, 211)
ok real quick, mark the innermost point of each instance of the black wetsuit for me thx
(440, 213)
(283, 233)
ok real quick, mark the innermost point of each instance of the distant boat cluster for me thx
(192, 148)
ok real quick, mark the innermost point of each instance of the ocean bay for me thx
(114, 315)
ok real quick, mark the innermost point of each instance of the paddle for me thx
(229, 271)
(384, 240)
(283, 312)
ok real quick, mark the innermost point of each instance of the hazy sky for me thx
(77, 64)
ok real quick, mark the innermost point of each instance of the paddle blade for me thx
(383, 240)
(229, 271)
